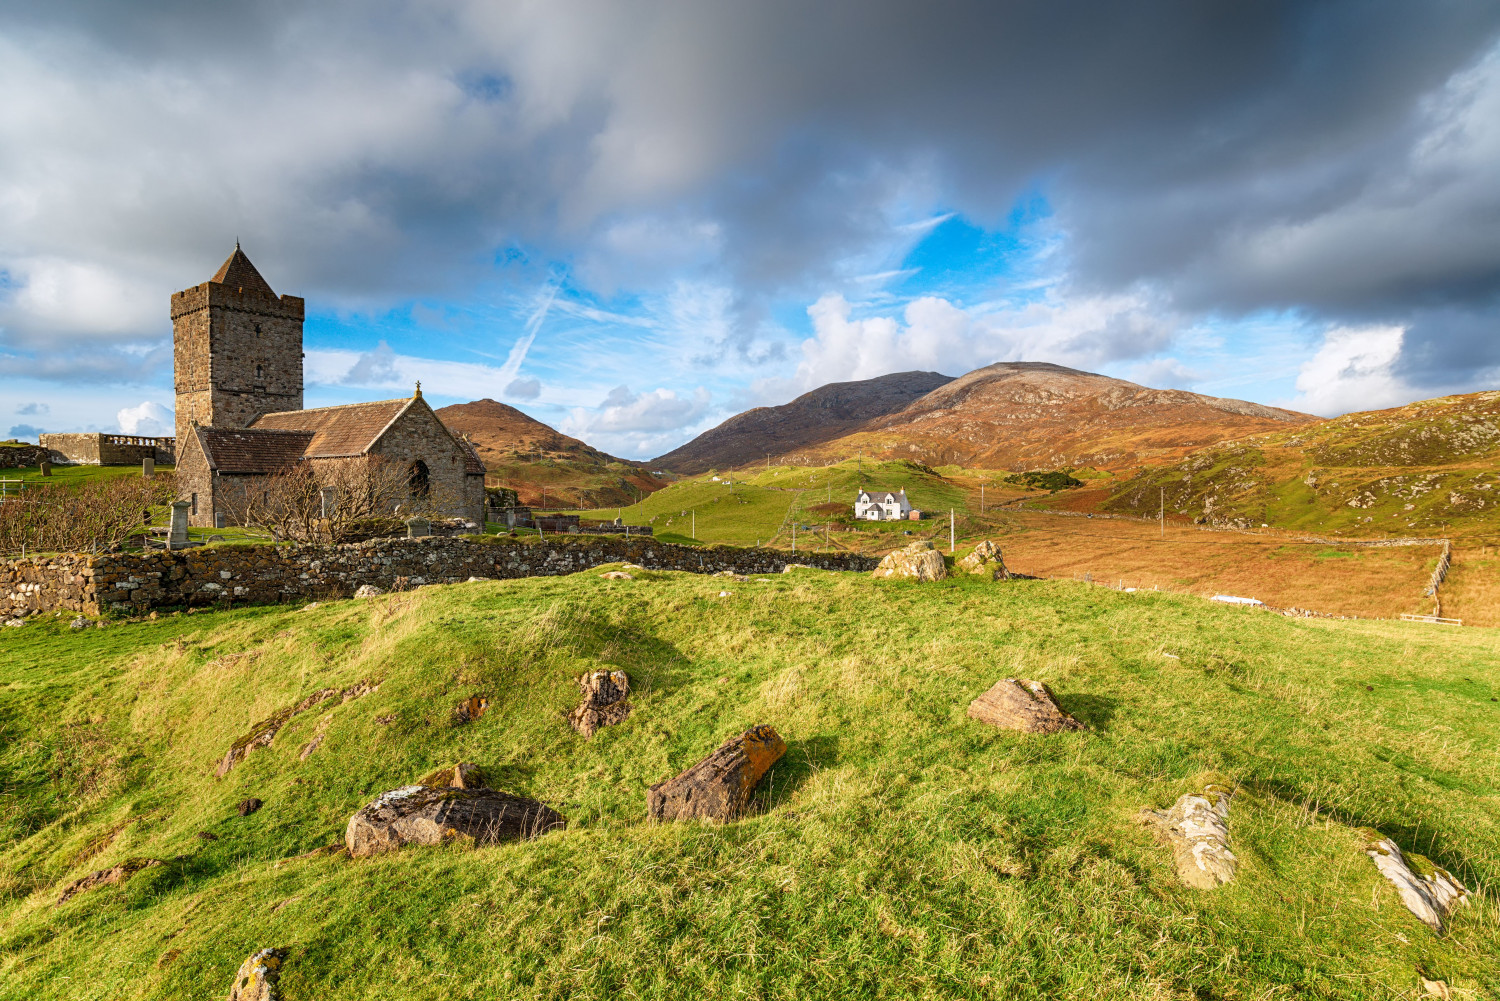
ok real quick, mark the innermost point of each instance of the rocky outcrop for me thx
(262, 733)
(985, 559)
(470, 709)
(604, 701)
(257, 977)
(1429, 891)
(424, 815)
(106, 877)
(1197, 828)
(918, 561)
(1022, 704)
(719, 786)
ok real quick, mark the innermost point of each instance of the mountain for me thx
(812, 419)
(1012, 415)
(545, 467)
(1427, 467)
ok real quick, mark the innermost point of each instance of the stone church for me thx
(237, 352)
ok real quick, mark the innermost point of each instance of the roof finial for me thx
(418, 394)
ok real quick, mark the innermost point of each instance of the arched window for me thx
(417, 479)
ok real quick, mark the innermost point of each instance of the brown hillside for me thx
(544, 466)
(812, 419)
(1034, 415)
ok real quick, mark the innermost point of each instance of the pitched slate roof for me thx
(882, 493)
(337, 431)
(472, 463)
(238, 272)
(251, 450)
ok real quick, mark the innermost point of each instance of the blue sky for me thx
(633, 224)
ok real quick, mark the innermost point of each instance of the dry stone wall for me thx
(136, 583)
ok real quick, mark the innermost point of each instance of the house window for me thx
(418, 479)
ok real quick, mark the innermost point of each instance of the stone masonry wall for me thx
(132, 584)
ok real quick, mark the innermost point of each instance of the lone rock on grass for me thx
(1021, 704)
(1428, 891)
(106, 877)
(368, 591)
(427, 815)
(918, 561)
(256, 980)
(604, 701)
(719, 786)
(985, 558)
(1197, 828)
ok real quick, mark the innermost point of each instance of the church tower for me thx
(236, 349)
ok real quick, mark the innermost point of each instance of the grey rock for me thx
(423, 815)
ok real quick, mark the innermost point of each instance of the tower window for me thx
(257, 328)
(258, 372)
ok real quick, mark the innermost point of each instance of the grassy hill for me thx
(763, 502)
(899, 849)
(1425, 468)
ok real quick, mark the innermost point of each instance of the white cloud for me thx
(524, 389)
(643, 424)
(934, 334)
(146, 418)
(1353, 370)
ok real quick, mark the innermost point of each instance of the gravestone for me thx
(177, 534)
(46, 467)
(148, 467)
(417, 528)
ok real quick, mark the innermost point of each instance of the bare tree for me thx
(88, 516)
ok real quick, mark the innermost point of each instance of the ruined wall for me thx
(95, 449)
(132, 584)
(237, 354)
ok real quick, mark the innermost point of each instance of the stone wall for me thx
(132, 584)
(94, 449)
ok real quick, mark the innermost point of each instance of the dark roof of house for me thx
(238, 272)
(337, 431)
(873, 492)
(251, 450)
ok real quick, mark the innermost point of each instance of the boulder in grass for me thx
(106, 877)
(985, 559)
(368, 591)
(470, 709)
(257, 977)
(719, 786)
(616, 575)
(918, 561)
(604, 701)
(423, 815)
(1197, 828)
(1429, 891)
(1022, 704)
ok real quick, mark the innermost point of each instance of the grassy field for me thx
(72, 474)
(899, 850)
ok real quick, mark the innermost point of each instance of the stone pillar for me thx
(177, 535)
(416, 528)
(46, 467)
(148, 467)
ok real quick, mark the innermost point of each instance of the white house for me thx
(882, 505)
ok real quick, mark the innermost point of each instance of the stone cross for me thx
(177, 536)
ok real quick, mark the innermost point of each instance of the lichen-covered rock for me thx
(795, 566)
(105, 877)
(368, 591)
(1429, 891)
(918, 561)
(470, 709)
(604, 701)
(719, 786)
(616, 575)
(460, 776)
(1022, 704)
(1197, 828)
(79, 623)
(423, 815)
(257, 977)
(985, 559)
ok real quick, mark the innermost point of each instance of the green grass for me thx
(762, 505)
(899, 850)
(73, 474)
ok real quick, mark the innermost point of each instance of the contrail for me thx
(523, 344)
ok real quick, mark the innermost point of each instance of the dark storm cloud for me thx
(1334, 157)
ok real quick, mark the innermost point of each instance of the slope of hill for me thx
(812, 419)
(1034, 415)
(544, 466)
(897, 850)
(1428, 467)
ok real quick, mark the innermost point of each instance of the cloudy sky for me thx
(634, 219)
